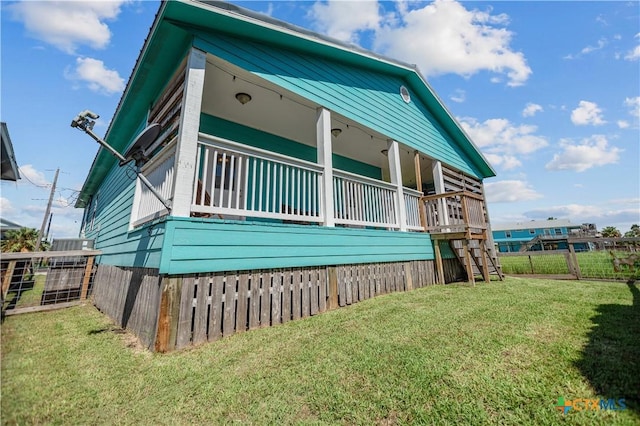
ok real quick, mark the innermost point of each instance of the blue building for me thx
(288, 162)
(540, 235)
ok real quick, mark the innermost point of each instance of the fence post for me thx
(169, 314)
(333, 287)
(8, 275)
(407, 275)
(576, 265)
(87, 278)
(531, 264)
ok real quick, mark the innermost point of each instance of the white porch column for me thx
(438, 183)
(323, 142)
(396, 178)
(188, 133)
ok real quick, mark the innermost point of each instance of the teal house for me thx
(299, 174)
(536, 235)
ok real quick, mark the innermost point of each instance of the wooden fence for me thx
(129, 296)
(195, 309)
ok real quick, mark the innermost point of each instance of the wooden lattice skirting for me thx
(175, 312)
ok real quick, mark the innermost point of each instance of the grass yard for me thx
(499, 353)
(29, 294)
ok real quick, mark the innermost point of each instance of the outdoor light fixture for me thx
(385, 152)
(243, 98)
(336, 132)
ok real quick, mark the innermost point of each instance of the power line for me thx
(33, 183)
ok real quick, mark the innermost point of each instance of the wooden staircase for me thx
(460, 218)
(476, 253)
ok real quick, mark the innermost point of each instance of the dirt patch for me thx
(128, 339)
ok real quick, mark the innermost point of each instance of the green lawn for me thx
(499, 353)
(29, 294)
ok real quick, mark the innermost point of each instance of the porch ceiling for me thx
(275, 110)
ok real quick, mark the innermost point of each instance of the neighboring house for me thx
(9, 169)
(286, 156)
(541, 235)
(7, 225)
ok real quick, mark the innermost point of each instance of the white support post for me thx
(187, 147)
(325, 151)
(438, 183)
(396, 178)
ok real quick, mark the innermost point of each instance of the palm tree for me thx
(610, 232)
(633, 232)
(21, 240)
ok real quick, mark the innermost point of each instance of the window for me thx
(507, 234)
(532, 231)
(91, 225)
(404, 93)
(558, 231)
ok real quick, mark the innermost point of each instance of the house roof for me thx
(172, 34)
(9, 165)
(6, 225)
(533, 224)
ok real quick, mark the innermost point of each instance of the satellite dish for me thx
(142, 142)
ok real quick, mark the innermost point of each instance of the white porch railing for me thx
(412, 206)
(363, 201)
(234, 180)
(159, 172)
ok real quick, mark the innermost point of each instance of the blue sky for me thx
(549, 91)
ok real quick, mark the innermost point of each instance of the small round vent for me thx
(404, 92)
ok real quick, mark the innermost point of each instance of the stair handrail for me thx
(480, 226)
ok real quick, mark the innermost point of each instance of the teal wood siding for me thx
(362, 95)
(193, 246)
(111, 225)
(253, 137)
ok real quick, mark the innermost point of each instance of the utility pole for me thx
(46, 213)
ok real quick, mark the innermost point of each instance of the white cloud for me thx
(68, 24)
(591, 152)
(587, 113)
(634, 106)
(612, 213)
(588, 49)
(506, 162)
(6, 208)
(531, 109)
(501, 141)
(30, 174)
(345, 19)
(442, 37)
(601, 43)
(458, 95)
(509, 191)
(97, 77)
(634, 54)
(623, 124)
